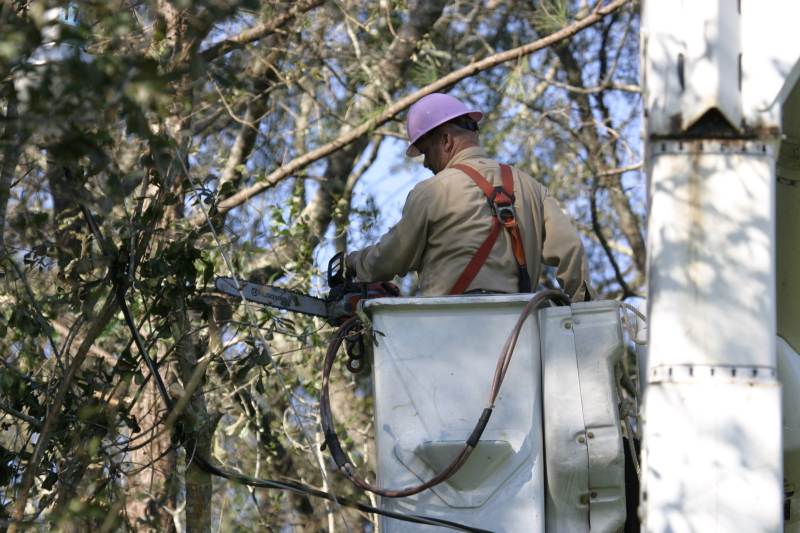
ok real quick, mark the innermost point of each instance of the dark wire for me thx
(117, 275)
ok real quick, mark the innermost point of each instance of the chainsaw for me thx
(340, 304)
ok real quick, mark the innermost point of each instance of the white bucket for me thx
(433, 366)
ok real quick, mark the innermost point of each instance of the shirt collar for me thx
(467, 153)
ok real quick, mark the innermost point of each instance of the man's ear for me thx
(448, 141)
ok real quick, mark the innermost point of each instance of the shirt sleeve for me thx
(400, 250)
(562, 248)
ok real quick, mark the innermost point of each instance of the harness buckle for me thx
(504, 209)
(505, 213)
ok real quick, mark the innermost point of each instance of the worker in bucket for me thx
(477, 225)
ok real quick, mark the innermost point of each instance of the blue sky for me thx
(389, 180)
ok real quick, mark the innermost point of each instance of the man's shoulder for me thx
(424, 191)
(529, 179)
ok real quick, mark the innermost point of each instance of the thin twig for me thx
(616, 171)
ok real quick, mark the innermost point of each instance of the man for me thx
(447, 218)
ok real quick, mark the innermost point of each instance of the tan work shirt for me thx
(445, 220)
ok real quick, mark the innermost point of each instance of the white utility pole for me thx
(716, 74)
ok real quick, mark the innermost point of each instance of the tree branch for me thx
(300, 162)
(598, 230)
(617, 171)
(94, 350)
(259, 32)
(37, 424)
(13, 139)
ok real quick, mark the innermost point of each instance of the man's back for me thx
(446, 219)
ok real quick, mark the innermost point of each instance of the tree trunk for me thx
(12, 140)
(152, 485)
(197, 423)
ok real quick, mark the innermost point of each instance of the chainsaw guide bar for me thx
(273, 296)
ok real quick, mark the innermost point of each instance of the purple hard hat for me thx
(433, 110)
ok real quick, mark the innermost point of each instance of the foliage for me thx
(127, 124)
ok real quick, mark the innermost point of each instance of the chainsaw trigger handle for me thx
(336, 270)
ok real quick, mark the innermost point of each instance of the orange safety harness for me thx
(501, 201)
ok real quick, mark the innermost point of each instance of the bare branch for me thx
(619, 170)
(598, 230)
(22, 416)
(259, 32)
(606, 86)
(94, 350)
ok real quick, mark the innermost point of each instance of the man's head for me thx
(439, 126)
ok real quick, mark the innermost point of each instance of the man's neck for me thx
(473, 150)
(462, 144)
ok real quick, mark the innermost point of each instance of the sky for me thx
(389, 180)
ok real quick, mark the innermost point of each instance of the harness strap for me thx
(477, 261)
(501, 200)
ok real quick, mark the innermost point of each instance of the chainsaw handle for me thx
(337, 271)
